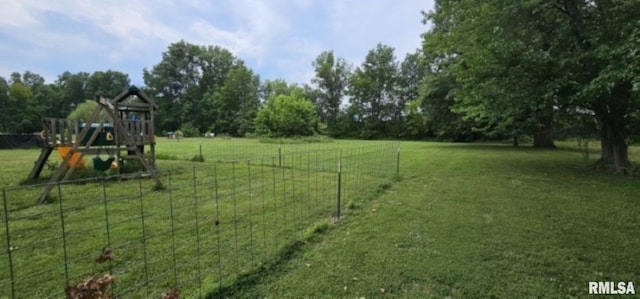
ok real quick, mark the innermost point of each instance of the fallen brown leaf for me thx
(106, 255)
(173, 294)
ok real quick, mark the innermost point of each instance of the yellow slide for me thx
(76, 158)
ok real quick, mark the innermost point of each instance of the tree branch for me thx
(562, 8)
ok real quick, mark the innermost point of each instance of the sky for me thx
(278, 39)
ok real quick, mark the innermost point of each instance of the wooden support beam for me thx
(39, 164)
(54, 179)
(130, 142)
(87, 145)
(65, 161)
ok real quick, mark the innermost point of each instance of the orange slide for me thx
(76, 158)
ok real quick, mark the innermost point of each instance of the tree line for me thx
(543, 68)
(486, 70)
(26, 98)
(207, 89)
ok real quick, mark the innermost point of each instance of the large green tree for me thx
(43, 94)
(276, 87)
(30, 98)
(499, 54)
(601, 51)
(180, 81)
(21, 110)
(4, 105)
(411, 74)
(331, 78)
(437, 101)
(174, 84)
(519, 62)
(236, 103)
(372, 91)
(70, 90)
(107, 84)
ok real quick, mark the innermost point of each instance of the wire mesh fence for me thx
(212, 223)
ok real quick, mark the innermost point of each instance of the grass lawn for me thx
(465, 221)
(214, 221)
(474, 221)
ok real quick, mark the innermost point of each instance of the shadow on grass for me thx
(493, 147)
(562, 160)
(594, 147)
(254, 277)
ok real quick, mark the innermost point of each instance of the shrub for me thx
(189, 130)
(287, 116)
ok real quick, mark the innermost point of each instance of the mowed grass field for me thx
(213, 223)
(475, 221)
(465, 221)
(16, 164)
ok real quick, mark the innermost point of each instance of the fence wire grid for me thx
(212, 223)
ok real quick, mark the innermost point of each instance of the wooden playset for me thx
(121, 128)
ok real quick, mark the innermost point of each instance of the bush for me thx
(287, 116)
(84, 110)
(189, 130)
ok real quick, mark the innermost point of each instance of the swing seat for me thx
(102, 165)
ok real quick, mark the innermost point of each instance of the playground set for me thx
(120, 128)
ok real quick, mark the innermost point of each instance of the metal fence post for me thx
(264, 219)
(398, 162)
(235, 216)
(106, 219)
(144, 235)
(339, 188)
(250, 211)
(64, 237)
(217, 223)
(173, 233)
(195, 209)
(9, 249)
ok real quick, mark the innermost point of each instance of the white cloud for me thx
(279, 37)
(16, 14)
(298, 53)
(261, 23)
(358, 27)
(236, 42)
(304, 4)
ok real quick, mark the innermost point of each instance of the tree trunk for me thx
(613, 144)
(613, 129)
(606, 155)
(620, 157)
(543, 133)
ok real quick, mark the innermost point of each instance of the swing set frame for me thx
(131, 115)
